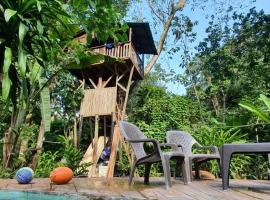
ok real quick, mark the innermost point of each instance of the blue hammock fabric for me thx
(24, 175)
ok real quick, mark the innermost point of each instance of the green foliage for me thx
(232, 63)
(156, 111)
(218, 135)
(262, 114)
(23, 40)
(123, 165)
(47, 161)
(6, 173)
(71, 157)
(4, 116)
(29, 132)
(6, 80)
(94, 16)
(259, 172)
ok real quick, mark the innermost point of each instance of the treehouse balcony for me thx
(125, 51)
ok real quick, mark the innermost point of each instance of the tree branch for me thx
(161, 18)
(166, 27)
(180, 5)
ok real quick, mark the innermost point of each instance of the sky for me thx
(195, 14)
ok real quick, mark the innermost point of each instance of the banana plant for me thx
(25, 29)
(262, 114)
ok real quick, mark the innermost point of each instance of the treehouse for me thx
(107, 83)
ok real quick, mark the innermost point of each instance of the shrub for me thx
(216, 135)
(6, 173)
(47, 161)
(72, 157)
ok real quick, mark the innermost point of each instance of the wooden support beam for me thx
(82, 84)
(108, 80)
(127, 92)
(122, 87)
(130, 35)
(99, 85)
(120, 77)
(114, 147)
(92, 82)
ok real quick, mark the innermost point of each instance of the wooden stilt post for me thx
(91, 131)
(80, 131)
(114, 147)
(112, 127)
(95, 144)
(75, 133)
(127, 92)
(104, 129)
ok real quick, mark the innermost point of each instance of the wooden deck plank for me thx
(253, 195)
(209, 188)
(132, 195)
(171, 194)
(195, 194)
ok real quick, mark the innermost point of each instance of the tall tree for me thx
(233, 62)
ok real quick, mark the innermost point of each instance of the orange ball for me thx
(61, 175)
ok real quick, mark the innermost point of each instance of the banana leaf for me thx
(262, 115)
(45, 105)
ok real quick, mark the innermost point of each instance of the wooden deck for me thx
(85, 188)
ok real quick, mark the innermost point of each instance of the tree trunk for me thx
(24, 141)
(39, 144)
(23, 149)
(215, 105)
(7, 146)
(223, 106)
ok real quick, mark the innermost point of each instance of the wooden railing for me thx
(125, 50)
